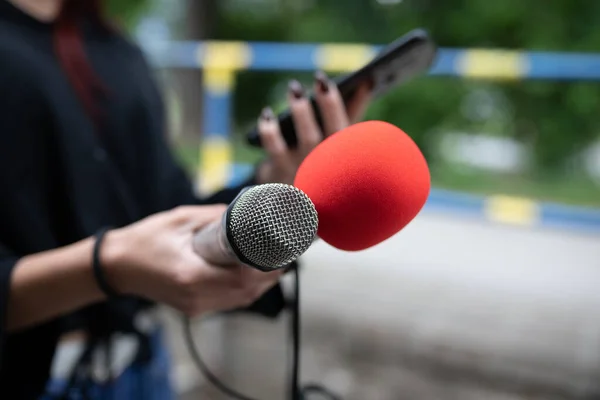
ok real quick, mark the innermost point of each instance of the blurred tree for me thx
(127, 12)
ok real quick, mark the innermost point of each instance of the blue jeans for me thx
(146, 382)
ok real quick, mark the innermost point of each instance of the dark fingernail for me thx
(296, 89)
(322, 81)
(267, 114)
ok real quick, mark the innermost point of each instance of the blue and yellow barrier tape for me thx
(515, 211)
(472, 63)
(221, 61)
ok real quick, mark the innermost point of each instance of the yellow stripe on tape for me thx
(224, 55)
(218, 81)
(216, 156)
(497, 64)
(342, 57)
(512, 210)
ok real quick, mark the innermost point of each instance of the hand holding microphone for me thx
(154, 259)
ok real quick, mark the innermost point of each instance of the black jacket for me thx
(62, 179)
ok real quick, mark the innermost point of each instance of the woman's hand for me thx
(153, 258)
(283, 162)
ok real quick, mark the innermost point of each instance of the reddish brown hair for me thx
(69, 48)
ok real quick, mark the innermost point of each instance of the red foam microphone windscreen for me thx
(367, 182)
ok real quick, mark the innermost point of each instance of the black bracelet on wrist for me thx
(103, 284)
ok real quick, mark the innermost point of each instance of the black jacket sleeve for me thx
(7, 263)
(24, 217)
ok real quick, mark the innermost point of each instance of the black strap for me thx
(103, 284)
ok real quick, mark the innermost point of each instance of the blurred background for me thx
(493, 291)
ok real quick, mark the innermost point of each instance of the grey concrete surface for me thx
(447, 309)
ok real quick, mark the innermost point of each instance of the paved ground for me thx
(447, 309)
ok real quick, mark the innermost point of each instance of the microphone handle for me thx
(211, 243)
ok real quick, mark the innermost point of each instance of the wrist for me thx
(112, 257)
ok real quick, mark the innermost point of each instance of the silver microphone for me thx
(266, 227)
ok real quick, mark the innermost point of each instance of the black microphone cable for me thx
(297, 392)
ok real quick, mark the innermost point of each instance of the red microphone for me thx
(367, 182)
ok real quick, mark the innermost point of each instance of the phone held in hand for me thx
(402, 60)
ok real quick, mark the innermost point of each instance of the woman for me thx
(95, 216)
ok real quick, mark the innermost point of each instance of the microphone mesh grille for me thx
(273, 224)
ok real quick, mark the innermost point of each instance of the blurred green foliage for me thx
(127, 12)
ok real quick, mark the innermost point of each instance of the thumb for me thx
(358, 105)
(197, 217)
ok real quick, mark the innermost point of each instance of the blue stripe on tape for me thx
(217, 112)
(182, 54)
(445, 62)
(560, 216)
(444, 200)
(563, 65)
(240, 173)
(272, 56)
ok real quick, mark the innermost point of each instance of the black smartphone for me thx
(401, 60)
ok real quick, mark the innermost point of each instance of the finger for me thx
(330, 104)
(271, 138)
(357, 106)
(259, 284)
(252, 275)
(266, 286)
(307, 129)
(221, 277)
(237, 286)
(269, 276)
(197, 217)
